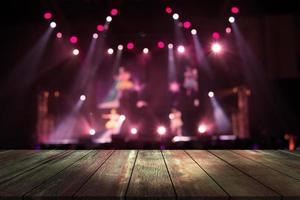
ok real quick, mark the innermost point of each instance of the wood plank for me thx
(14, 154)
(295, 153)
(20, 185)
(237, 184)
(292, 170)
(284, 158)
(110, 181)
(68, 182)
(13, 168)
(188, 178)
(150, 178)
(282, 184)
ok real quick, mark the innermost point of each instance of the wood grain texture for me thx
(14, 154)
(238, 185)
(17, 166)
(150, 178)
(188, 178)
(66, 183)
(20, 185)
(110, 181)
(284, 185)
(292, 170)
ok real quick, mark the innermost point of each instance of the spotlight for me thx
(92, 131)
(75, 52)
(108, 18)
(145, 50)
(202, 128)
(187, 25)
(161, 130)
(215, 35)
(47, 15)
(120, 47)
(231, 19)
(161, 45)
(59, 35)
(130, 45)
(211, 94)
(114, 12)
(100, 28)
(228, 30)
(193, 31)
(235, 10)
(170, 46)
(82, 97)
(73, 39)
(216, 48)
(95, 35)
(133, 131)
(110, 51)
(52, 24)
(122, 118)
(175, 16)
(180, 49)
(168, 10)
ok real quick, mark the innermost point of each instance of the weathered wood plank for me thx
(67, 182)
(14, 154)
(237, 184)
(284, 158)
(188, 178)
(292, 170)
(13, 168)
(20, 185)
(150, 178)
(282, 184)
(110, 181)
(295, 153)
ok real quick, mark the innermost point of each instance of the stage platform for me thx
(149, 174)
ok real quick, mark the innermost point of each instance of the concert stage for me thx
(149, 174)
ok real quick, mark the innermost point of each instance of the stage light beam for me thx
(52, 24)
(211, 94)
(175, 16)
(216, 48)
(161, 130)
(180, 49)
(145, 50)
(120, 47)
(75, 52)
(95, 35)
(108, 18)
(231, 19)
(133, 131)
(202, 128)
(193, 31)
(92, 132)
(82, 97)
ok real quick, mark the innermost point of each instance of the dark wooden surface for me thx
(149, 174)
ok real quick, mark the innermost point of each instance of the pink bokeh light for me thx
(47, 15)
(73, 39)
(235, 10)
(100, 28)
(114, 12)
(161, 45)
(130, 45)
(187, 24)
(168, 10)
(215, 35)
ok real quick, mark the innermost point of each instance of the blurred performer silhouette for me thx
(190, 80)
(113, 123)
(123, 82)
(176, 122)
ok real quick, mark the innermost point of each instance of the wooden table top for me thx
(149, 174)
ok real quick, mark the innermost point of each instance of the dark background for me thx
(271, 28)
